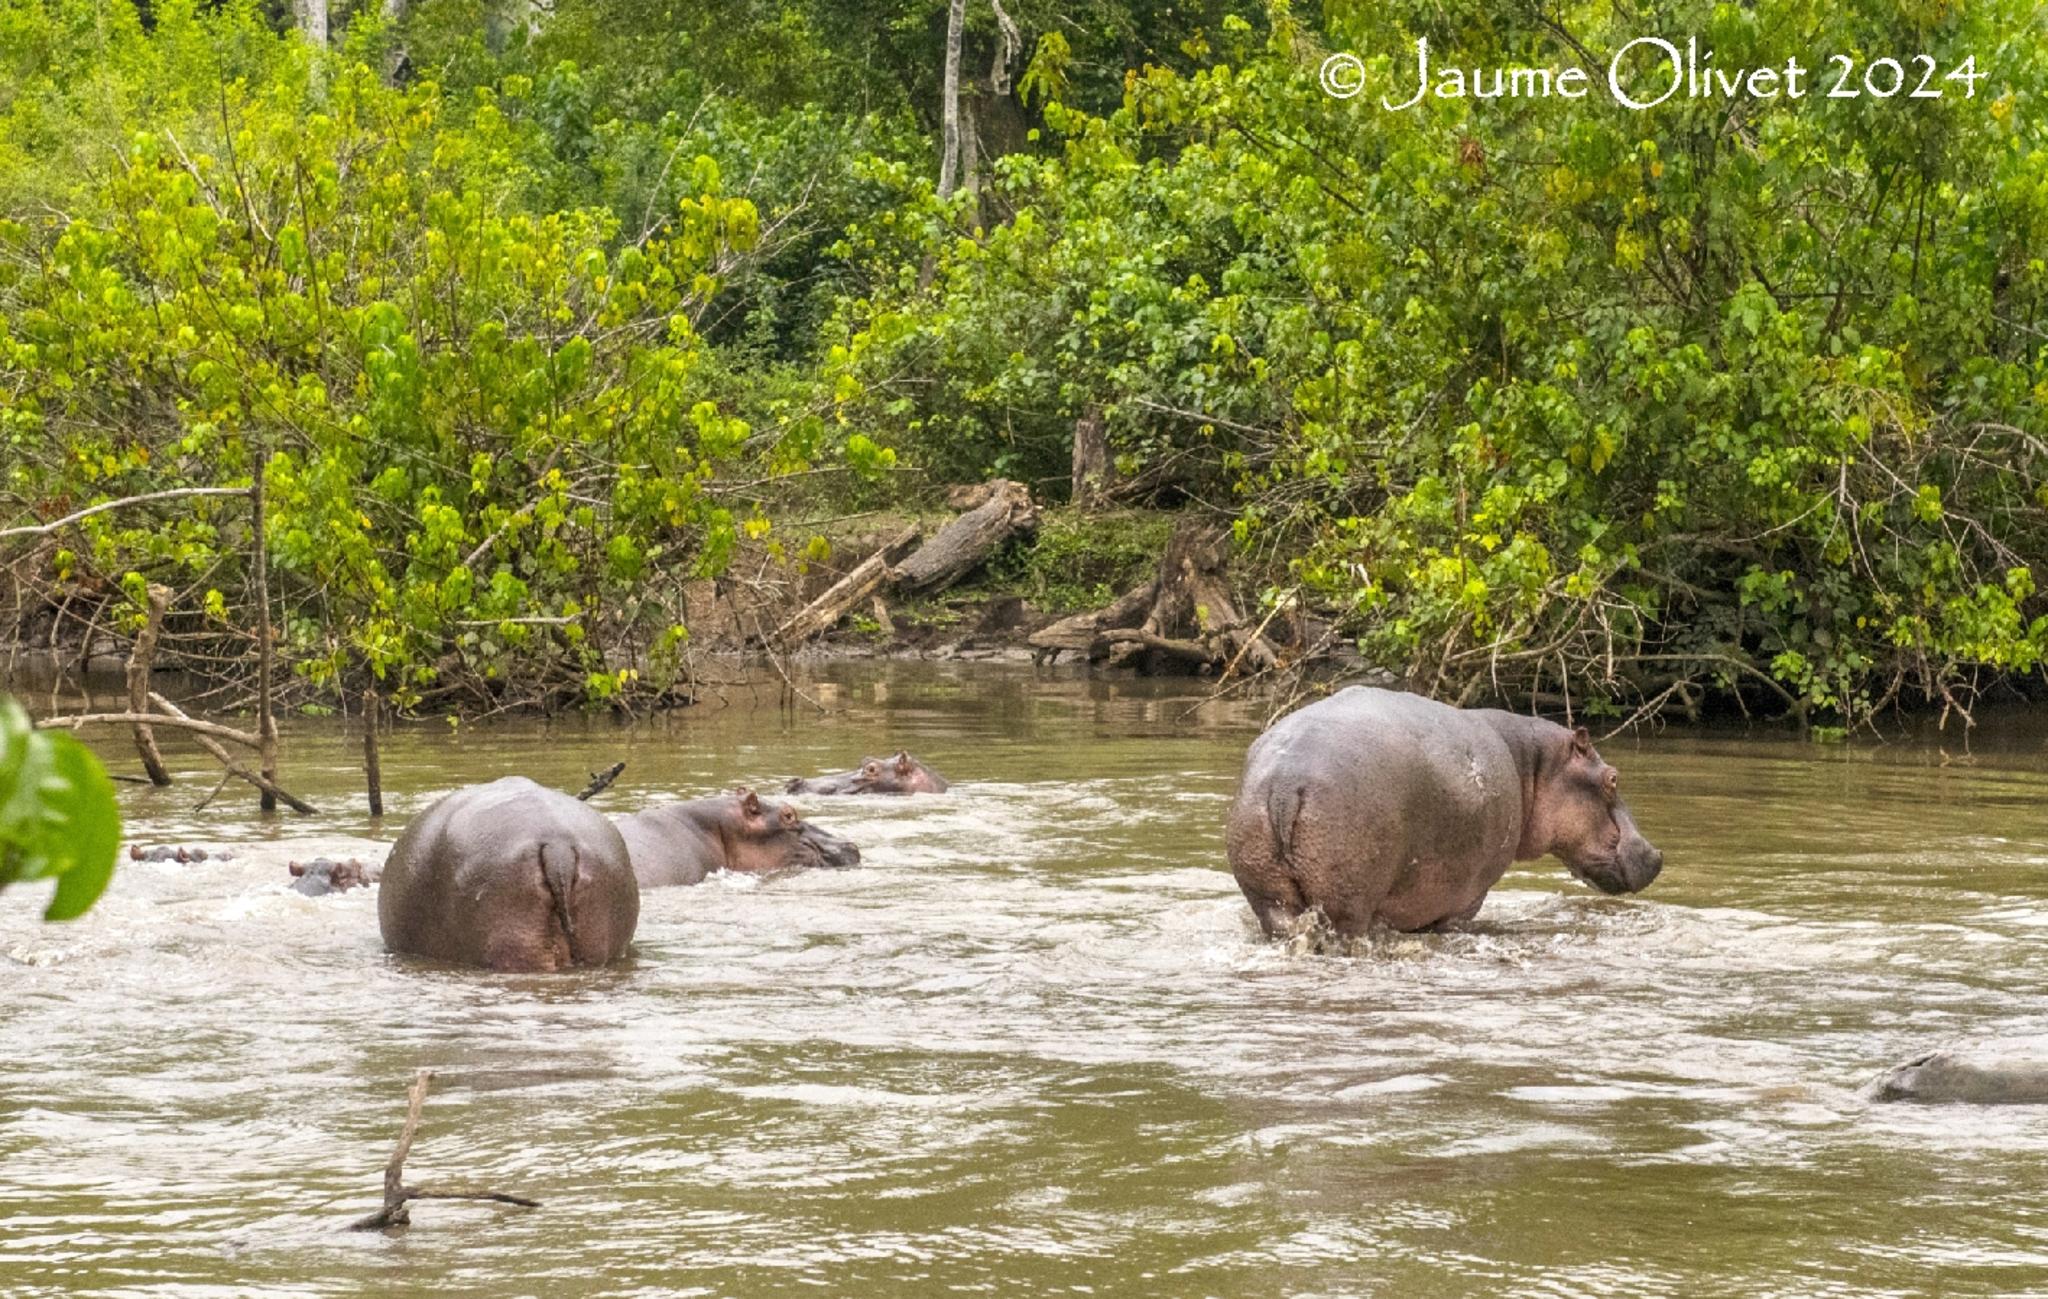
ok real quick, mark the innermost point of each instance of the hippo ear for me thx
(750, 802)
(1582, 743)
(297, 868)
(902, 762)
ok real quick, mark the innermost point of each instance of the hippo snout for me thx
(832, 851)
(1632, 870)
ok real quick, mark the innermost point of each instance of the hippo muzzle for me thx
(1633, 867)
(829, 850)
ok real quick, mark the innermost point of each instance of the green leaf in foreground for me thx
(57, 814)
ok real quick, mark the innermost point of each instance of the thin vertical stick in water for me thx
(372, 774)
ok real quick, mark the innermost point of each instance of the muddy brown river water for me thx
(1033, 1045)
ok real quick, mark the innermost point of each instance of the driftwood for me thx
(960, 547)
(176, 721)
(397, 1195)
(139, 660)
(865, 579)
(600, 781)
(1080, 632)
(202, 733)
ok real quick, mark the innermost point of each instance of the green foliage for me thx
(57, 815)
(1532, 395)
(1083, 561)
(1538, 393)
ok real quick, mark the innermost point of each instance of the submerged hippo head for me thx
(759, 835)
(1580, 817)
(901, 774)
(324, 875)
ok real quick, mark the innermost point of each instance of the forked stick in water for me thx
(397, 1195)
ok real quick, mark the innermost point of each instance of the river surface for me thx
(1034, 1046)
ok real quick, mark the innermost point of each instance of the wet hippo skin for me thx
(1383, 808)
(681, 843)
(901, 774)
(509, 876)
(2013, 1071)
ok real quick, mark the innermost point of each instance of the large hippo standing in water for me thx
(681, 843)
(1389, 808)
(901, 774)
(510, 876)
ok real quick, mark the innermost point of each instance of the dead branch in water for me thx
(139, 661)
(220, 755)
(176, 721)
(600, 781)
(397, 1195)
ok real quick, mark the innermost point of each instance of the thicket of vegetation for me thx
(531, 316)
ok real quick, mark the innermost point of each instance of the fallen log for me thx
(176, 721)
(397, 1195)
(960, 547)
(600, 781)
(859, 584)
(202, 737)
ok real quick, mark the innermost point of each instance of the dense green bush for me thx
(1536, 396)
(1544, 395)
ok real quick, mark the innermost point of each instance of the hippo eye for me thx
(1611, 782)
(789, 816)
(870, 770)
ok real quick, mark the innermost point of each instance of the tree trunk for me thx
(313, 21)
(861, 583)
(960, 547)
(266, 720)
(396, 59)
(138, 683)
(373, 772)
(1091, 458)
(949, 104)
(970, 160)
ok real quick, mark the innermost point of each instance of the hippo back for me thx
(668, 847)
(511, 876)
(2006, 1072)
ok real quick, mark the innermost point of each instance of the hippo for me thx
(324, 875)
(509, 876)
(901, 774)
(681, 843)
(1380, 807)
(177, 853)
(2009, 1072)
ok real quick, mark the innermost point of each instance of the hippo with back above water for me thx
(901, 774)
(511, 876)
(681, 843)
(2008, 1071)
(1388, 808)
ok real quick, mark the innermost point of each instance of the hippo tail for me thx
(558, 872)
(1283, 808)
